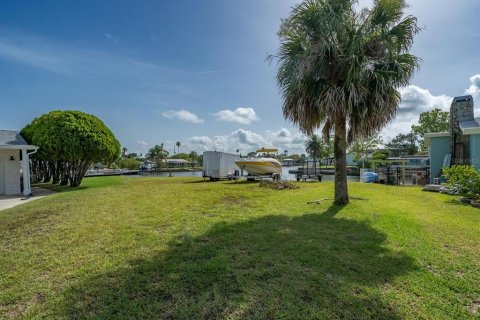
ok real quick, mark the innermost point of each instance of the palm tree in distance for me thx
(313, 146)
(157, 154)
(178, 144)
(340, 70)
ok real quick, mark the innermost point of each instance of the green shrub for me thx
(464, 179)
(129, 163)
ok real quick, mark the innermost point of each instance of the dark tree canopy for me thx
(70, 142)
(431, 121)
(403, 144)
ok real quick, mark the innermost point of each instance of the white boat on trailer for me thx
(259, 165)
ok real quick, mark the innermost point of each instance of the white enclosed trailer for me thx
(220, 165)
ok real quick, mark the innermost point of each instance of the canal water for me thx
(285, 175)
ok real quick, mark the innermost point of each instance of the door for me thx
(2, 175)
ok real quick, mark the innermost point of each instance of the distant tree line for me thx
(412, 142)
(157, 154)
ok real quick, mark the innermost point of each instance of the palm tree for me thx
(178, 144)
(124, 152)
(157, 154)
(313, 146)
(340, 70)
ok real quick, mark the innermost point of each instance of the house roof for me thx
(470, 126)
(177, 161)
(13, 140)
(463, 98)
(414, 157)
(437, 134)
(428, 136)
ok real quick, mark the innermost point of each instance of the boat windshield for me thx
(265, 153)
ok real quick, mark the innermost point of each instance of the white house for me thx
(14, 159)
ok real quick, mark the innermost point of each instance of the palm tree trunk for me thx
(340, 146)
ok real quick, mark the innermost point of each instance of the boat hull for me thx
(260, 167)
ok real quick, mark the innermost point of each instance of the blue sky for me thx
(195, 71)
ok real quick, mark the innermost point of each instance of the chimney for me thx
(460, 110)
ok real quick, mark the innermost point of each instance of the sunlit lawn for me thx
(173, 248)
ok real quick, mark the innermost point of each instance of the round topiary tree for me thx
(70, 142)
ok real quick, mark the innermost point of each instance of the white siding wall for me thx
(12, 171)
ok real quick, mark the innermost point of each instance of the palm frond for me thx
(335, 63)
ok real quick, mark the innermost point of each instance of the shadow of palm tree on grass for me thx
(312, 266)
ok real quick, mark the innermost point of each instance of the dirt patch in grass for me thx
(233, 199)
(278, 185)
(15, 312)
(475, 307)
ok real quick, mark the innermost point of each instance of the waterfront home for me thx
(461, 144)
(14, 160)
(179, 163)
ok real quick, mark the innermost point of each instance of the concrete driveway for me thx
(7, 202)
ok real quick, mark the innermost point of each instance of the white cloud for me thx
(239, 115)
(247, 141)
(244, 140)
(415, 100)
(286, 139)
(248, 137)
(142, 144)
(183, 115)
(201, 140)
(474, 88)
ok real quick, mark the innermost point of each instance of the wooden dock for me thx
(110, 173)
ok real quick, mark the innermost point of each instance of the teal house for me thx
(461, 145)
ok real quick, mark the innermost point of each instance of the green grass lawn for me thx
(173, 248)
